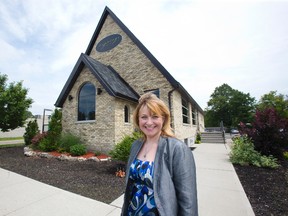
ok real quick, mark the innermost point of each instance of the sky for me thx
(203, 44)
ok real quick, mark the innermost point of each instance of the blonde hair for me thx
(157, 107)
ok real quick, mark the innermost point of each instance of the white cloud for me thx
(203, 44)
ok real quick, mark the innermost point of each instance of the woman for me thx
(161, 175)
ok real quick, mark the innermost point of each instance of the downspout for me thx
(170, 103)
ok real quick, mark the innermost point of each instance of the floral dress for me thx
(142, 201)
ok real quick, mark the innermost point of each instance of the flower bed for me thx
(64, 156)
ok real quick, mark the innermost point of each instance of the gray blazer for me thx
(174, 180)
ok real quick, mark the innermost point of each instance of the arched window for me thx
(126, 114)
(86, 102)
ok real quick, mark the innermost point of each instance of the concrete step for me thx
(212, 137)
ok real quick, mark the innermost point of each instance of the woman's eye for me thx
(155, 117)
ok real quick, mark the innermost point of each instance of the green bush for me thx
(46, 145)
(30, 131)
(285, 155)
(198, 138)
(121, 150)
(66, 141)
(243, 153)
(97, 153)
(35, 142)
(49, 141)
(54, 130)
(77, 150)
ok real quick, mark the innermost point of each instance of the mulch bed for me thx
(96, 180)
(267, 189)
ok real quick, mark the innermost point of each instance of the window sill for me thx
(84, 122)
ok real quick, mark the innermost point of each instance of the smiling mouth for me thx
(149, 127)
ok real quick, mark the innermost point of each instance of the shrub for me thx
(243, 153)
(55, 125)
(121, 150)
(97, 153)
(269, 132)
(77, 150)
(285, 155)
(198, 138)
(46, 145)
(37, 139)
(51, 141)
(67, 140)
(30, 131)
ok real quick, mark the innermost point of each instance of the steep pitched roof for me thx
(156, 63)
(113, 83)
(84, 59)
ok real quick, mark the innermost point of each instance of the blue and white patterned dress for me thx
(142, 202)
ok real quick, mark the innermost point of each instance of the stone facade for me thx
(142, 75)
(130, 62)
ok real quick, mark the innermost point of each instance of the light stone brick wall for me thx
(98, 134)
(121, 127)
(185, 131)
(132, 65)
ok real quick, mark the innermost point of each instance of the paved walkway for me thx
(219, 192)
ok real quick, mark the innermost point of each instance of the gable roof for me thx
(113, 83)
(146, 52)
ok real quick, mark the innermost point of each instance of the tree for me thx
(268, 131)
(230, 106)
(14, 104)
(272, 100)
(30, 131)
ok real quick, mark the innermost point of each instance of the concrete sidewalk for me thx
(220, 192)
(21, 196)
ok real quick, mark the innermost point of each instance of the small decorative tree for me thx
(50, 142)
(30, 131)
(54, 130)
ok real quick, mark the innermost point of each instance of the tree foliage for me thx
(54, 131)
(30, 131)
(14, 104)
(230, 106)
(50, 140)
(268, 131)
(279, 102)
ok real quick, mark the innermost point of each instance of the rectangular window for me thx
(126, 114)
(194, 116)
(185, 111)
(154, 91)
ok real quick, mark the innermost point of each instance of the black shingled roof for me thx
(113, 83)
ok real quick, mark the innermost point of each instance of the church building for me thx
(106, 82)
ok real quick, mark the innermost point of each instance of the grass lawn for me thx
(11, 139)
(11, 145)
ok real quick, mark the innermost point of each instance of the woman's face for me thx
(150, 124)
